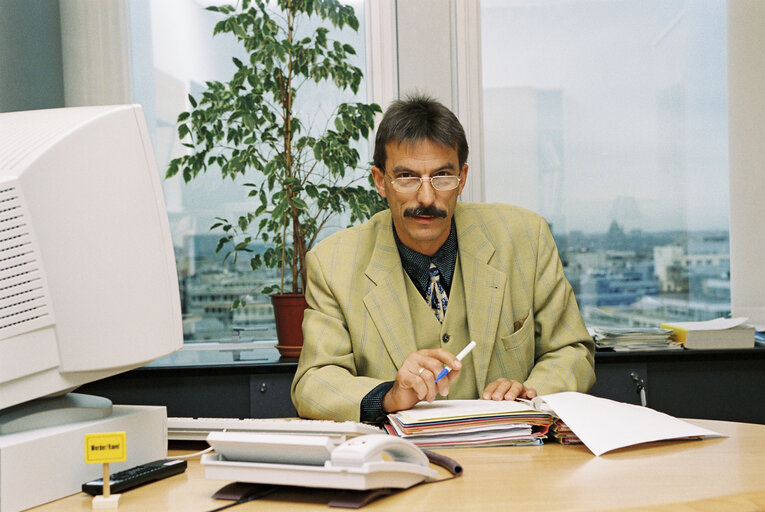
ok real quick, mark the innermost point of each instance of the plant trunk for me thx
(288, 160)
(296, 242)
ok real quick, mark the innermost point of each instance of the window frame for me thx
(746, 118)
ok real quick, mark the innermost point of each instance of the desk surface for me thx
(712, 474)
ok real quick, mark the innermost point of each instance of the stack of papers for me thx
(463, 423)
(604, 425)
(563, 433)
(711, 334)
(634, 338)
(600, 424)
(559, 431)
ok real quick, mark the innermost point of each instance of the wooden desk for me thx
(713, 474)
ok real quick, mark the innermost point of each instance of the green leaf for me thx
(299, 203)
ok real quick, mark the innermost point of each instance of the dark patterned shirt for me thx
(416, 264)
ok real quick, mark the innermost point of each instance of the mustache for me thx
(425, 211)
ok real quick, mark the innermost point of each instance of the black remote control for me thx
(139, 475)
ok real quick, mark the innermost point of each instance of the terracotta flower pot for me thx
(288, 313)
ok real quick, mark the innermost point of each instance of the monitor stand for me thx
(52, 411)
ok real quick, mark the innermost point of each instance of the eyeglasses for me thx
(413, 183)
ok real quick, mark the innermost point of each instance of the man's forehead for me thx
(408, 145)
(409, 155)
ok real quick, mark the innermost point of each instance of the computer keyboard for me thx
(197, 429)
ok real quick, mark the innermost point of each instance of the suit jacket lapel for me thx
(484, 290)
(386, 301)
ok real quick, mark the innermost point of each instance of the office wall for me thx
(96, 62)
(438, 53)
(31, 75)
(746, 121)
(425, 49)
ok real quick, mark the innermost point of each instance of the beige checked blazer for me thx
(521, 311)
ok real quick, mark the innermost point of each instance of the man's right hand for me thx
(415, 380)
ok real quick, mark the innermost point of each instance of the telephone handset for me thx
(373, 447)
(365, 462)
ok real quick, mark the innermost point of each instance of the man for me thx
(392, 300)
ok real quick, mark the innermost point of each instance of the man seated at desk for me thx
(392, 300)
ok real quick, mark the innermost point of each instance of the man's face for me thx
(422, 218)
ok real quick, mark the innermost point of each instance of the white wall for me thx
(746, 116)
(439, 53)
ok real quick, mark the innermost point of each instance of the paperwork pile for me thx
(563, 433)
(463, 423)
(713, 334)
(604, 425)
(634, 338)
(600, 424)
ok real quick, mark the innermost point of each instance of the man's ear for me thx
(378, 175)
(463, 175)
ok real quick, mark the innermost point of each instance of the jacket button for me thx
(445, 338)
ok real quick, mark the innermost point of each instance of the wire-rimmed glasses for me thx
(409, 184)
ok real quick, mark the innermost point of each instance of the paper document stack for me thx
(458, 423)
(604, 425)
(717, 333)
(759, 336)
(563, 433)
(601, 425)
(559, 431)
(633, 338)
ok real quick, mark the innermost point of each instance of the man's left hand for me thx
(504, 389)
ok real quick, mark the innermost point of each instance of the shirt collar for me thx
(416, 264)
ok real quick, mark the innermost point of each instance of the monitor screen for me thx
(88, 283)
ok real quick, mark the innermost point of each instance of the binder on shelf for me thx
(713, 334)
(633, 338)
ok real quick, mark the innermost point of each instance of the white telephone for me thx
(365, 462)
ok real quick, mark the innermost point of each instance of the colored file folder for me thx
(455, 423)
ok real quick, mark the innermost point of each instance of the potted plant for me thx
(300, 171)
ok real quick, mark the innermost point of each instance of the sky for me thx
(644, 116)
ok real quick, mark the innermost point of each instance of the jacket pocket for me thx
(518, 350)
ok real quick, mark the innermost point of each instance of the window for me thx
(182, 55)
(614, 113)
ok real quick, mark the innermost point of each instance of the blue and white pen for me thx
(465, 351)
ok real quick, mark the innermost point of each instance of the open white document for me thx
(604, 425)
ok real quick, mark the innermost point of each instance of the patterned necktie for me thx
(436, 294)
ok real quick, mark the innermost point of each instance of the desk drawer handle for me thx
(639, 387)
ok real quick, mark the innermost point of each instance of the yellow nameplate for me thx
(105, 447)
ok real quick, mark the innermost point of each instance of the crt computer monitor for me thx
(88, 283)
